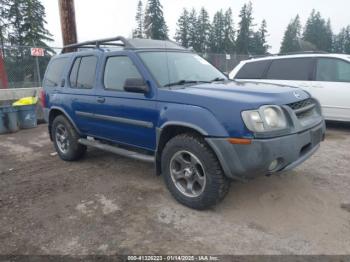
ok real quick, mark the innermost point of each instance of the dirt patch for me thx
(345, 206)
(106, 204)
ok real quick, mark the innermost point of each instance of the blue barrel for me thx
(3, 129)
(9, 119)
(27, 116)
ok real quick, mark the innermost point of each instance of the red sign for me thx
(37, 52)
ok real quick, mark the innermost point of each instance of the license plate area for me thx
(316, 135)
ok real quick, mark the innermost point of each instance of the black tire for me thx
(74, 150)
(216, 185)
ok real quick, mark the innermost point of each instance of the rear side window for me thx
(54, 72)
(253, 70)
(83, 72)
(117, 70)
(290, 69)
(332, 70)
(74, 73)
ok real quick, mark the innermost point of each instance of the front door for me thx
(124, 117)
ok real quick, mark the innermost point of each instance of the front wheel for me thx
(192, 172)
(66, 139)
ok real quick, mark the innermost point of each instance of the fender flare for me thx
(64, 112)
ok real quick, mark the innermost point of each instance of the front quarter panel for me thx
(190, 116)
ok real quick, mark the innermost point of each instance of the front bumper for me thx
(243, 162)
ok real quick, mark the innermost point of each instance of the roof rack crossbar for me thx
(98, 43)
(304, 52)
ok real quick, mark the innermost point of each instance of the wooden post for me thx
(68, 25)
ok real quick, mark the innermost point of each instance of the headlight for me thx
(267, 118)
(274, 117)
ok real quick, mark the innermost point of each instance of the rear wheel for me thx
(192, 172)
(65, 139)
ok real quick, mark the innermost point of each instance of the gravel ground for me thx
(106, 204)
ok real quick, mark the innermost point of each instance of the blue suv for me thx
(158, 102)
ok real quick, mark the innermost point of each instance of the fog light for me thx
(274, 164)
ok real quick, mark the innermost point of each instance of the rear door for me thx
(79, 99)
(331, 86)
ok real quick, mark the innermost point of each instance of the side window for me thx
(83, 72)
(290, 69)
(332, 70)
(54, 72)
(117, 70)
(253, 70)
(74, 73)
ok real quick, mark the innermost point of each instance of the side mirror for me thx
(136, 85)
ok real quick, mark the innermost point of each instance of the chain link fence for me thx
(24, 70)
(225, 62)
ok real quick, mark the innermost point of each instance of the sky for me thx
(107, 18)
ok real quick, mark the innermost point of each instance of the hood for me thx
(248, 94)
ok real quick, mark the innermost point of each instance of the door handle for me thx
(301, 85)
(101, 100)
(63, 82)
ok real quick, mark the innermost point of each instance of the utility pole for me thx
(68, 25)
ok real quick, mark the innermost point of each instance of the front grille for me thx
(301, 104)
(304, 110)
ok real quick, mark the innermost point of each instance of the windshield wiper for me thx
(218, 79)
(184, 82)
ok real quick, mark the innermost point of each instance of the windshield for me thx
(171, 68)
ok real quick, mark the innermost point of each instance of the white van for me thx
(325, 76)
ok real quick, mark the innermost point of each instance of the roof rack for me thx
(286, 54)
(304, 52)
(97, 43)
(135, 43)
(260, 56)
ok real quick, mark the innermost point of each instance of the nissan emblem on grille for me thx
(297, 95)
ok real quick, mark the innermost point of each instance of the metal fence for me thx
(225, 62)
(24, 70)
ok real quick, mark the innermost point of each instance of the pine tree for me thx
(182, 31)
(229, 32)
(138, 32)
(347, 40)
(155, 26)
(317, 32)
(329, 36)
(27, 23)
(259, 44)
(34, 24)
(15, 22)
(192, 32)
(4, 10)
(341, 42)
(291, 37)
(217, 35)
(245, 32)
(27, 28)
(203, 31)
